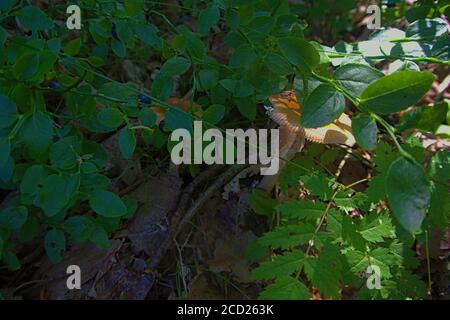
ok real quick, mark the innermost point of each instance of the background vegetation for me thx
(85, 172)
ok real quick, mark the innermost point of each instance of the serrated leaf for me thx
(380, 228)
(325, 272)
(288, 236)
(281, 265)
(319, 184)
(285, 288)
(262, 203)
(302, 209)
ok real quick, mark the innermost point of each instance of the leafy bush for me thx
(57, 99)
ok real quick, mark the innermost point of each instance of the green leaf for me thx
(281, 265)
(3, 36)
(64, 153)
(133, 7)
(72, 48)
(439, 167)
(208, 18)
(208, 78)
(397, 91)
(302, 209)
(262, 203)
(100, 238)
(299, 52)
(287, 236)
(426, 118)
(118, 48)
(325, 272)
(54, 243)
(427, 29)
(148, 117)
(80, 228)
(278, 64)
(322, 106)
(175, 66)
(7, 5)
(359, 261)
(111, 118)
(214, 114)
(37, 133)
(285, 288)
(26, 66)
(5, 150)
(13, 218)
(33, 18)
(52, 197)
(127, 143)
(8, 110)
(7, 169)
(439, 205)
(32, 179)
(162, 87)
(148, 34)
(2, 244)
(356, 77)
(107, 204)
(408, 193)
(243, 57)
(365, 130)
(246, 107)
(176, 119)
(379, 228)
(11, 260)
(319, 185)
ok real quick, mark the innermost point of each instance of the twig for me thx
(218, 183)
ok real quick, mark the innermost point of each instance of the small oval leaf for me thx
(408, 192)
